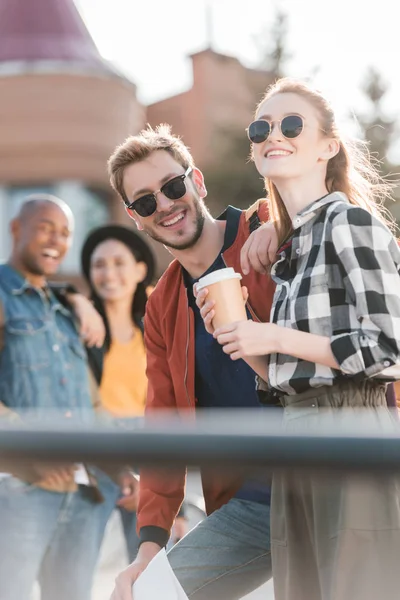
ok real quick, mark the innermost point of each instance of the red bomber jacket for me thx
(170, 346)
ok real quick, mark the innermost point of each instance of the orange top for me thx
(123, 386)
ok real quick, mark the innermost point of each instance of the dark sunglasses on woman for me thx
(291, 127)
(174, 189)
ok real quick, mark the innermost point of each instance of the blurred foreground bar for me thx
(354, 441)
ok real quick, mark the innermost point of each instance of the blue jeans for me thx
(128, 519)
(48, 537)
(227, 555)
(112, 492)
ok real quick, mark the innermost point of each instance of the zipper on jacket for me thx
(187, 349)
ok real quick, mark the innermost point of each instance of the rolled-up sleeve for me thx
(366, 330)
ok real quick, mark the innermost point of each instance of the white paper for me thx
(158, 581)
(393, 371)
(80, 475)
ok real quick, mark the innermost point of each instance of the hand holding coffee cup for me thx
(206, 307)
(221, 298)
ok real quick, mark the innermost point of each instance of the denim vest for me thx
(43, 365)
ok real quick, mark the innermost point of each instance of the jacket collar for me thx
(307, 213)
(232, 217)
(16, 284)
(13, 281)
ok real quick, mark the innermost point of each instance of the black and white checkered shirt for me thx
(338, 276)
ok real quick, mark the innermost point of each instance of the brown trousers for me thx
(336, 536)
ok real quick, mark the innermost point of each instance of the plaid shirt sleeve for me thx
(368, 259)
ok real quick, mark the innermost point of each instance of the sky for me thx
(331, 43)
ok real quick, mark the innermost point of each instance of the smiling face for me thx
(114, 271)
(280, 158)
(177, 224)
(41, 239)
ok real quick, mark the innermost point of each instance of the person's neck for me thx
(120, 319)
(298, 194)
(200, 257)
(37, 281)
(119, 312)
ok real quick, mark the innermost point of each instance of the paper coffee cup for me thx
(225, 289)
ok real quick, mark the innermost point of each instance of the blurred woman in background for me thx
(119, 266)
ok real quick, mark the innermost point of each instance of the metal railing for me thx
(218, 439)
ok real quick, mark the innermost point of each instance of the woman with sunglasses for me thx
(332, 344)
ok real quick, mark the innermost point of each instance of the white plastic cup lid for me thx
(217, 276)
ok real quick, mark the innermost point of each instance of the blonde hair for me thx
(139, 147)
(350, 171)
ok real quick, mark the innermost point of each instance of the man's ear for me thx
(132, 215)
(198, 181)
(15, 228)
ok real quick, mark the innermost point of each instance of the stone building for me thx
(63, 110)
(223, 95)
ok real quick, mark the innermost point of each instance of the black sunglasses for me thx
(174, 189)
(290, 126)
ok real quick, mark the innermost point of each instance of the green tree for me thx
(233, 179)
(271, 45)
(378, 130)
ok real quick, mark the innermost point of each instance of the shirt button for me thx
(297, 250)
(56, 348)
(386, 363)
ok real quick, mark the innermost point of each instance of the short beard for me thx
(200, 217)
(31, 266)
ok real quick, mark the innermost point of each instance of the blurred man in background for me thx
(49, 517)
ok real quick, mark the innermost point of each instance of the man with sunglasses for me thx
(228, 554)
(52, 516)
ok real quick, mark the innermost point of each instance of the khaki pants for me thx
(336, 536)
